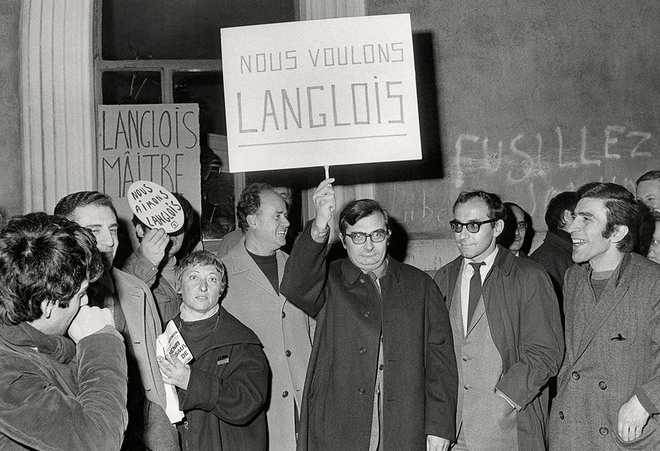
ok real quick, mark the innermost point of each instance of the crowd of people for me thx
(505, 348)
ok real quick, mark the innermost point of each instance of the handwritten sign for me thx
(527, 168)
(155, 206)
(157, 143)
(320, 92)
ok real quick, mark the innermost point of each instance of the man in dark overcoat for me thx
(608, 388)
(382, 374)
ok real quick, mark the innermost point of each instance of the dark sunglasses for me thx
(472, 227)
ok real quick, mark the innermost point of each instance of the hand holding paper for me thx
(173, 353)
(174, 371)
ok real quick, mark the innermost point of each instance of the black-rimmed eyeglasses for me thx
(472, 227)
(376, 236)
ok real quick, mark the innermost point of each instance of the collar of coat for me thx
(352, 273)
(560, 239)
(619, 272)
(240, 261)
(230, 331)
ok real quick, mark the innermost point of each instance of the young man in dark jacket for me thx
(56, 392)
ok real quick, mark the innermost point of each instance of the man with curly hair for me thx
(56, 392)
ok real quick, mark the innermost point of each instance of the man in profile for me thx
(648, 189)
(382, 373)
(254, 270)
(507, 332)
(136, 318)
(56, 392)
(234, 237)
(608, 388)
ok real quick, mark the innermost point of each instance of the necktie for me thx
(475, 290)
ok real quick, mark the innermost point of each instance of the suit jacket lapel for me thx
(453, 274)
(476, 316)
(243, 262)
(609, 300)
(131, 300)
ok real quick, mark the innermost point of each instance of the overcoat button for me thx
(285, 394)
(287, 353)
(361, 391)
(365, 314)
(283, 314)
(561, 415)
(602, 385)
(603, 431)
(363, 350)
(575, 375)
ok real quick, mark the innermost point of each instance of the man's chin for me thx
(107, 264)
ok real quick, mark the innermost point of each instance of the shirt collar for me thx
(488, 261)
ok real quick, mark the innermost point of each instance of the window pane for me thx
(175, 29)
(204, 88)
(130, 87)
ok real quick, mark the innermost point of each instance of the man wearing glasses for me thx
(507, 332)
(382, 374)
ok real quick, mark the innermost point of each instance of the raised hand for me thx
(324, 203)
(89, 320)
(154, 244)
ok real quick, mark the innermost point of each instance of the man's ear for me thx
(342, 237)
(567, 217)
(620, 232)
(498, 227)
(252, 221)
(47, 308)
(139, 231)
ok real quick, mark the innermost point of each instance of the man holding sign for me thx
(155, 260)
(382, 374)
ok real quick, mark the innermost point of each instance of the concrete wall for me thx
(11, 172)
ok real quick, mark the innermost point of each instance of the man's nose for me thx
(285, 221)
(203, 285)
(464, 234)
(106, 238)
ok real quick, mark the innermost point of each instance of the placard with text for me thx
(154, 142)
(320, 92)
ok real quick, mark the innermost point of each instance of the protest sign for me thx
(156, 207)
(320, 92)
(157, 143)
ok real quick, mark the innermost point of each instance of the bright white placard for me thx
(320, 92)
(156, 207)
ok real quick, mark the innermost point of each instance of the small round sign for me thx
(155, 206)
